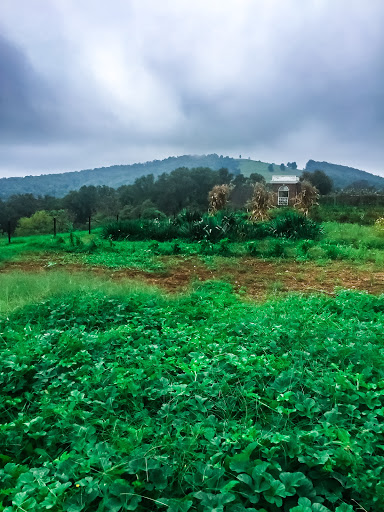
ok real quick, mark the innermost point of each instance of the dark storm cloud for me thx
(26, 102)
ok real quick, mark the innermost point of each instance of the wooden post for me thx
(89, 224)
(54, 226)
(117, 218)
(9, 231)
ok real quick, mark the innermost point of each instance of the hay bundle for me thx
(260, 203)
(218, 198)
(306, 198)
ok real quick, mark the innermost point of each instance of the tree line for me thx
(147, 197)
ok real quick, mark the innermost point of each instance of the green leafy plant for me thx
(200, 402)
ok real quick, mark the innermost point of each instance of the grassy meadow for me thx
(152, 374)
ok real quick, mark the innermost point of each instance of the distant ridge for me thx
(343, 175)
(58, 185)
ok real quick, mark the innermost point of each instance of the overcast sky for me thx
(91, 83)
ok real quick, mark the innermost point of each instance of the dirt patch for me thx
(263, 277)
(256, 277)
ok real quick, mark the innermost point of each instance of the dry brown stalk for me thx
(306, 198)
(218, 198)
(260, 203)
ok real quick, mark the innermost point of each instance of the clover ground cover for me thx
(195, 403)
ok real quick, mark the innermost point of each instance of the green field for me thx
(247, 167)
(117, 394)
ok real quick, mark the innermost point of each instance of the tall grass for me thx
(19, 289)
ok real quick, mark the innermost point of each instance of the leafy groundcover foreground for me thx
(200, 403)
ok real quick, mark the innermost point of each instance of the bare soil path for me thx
(256, 277)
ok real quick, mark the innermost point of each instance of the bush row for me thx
(233, 226)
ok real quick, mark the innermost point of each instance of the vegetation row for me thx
(194, 227)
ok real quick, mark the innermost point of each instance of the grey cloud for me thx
(26, 102)
(307, 83)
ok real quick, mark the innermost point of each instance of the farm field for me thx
(180, 376)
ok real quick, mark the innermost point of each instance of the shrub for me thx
(296, 226)
(213, 228)
(276, 249)
(253, 249)
(223, 247)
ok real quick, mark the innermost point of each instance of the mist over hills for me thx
(58, 185)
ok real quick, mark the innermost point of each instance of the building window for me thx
(283, 196)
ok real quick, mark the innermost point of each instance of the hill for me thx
(343, 176)
(58, 185)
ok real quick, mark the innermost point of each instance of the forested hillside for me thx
(148, 196)
(343, 176)
(58, 185)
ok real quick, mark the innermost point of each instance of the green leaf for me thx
(304, 505)
(291, 481)
(241, 462)
(177, 505)
(344, 508)
(239, 508)
(284, 381)
(275, 492)
(260, 484)
(260, 469)
(74, 504)
(215, 502)
(318, 507)
(301, 508)
(112, 504)
(243, 477)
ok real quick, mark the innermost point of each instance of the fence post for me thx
(54, 226)
(9, 231)
(89, 225)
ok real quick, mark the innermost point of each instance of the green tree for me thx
(255, 177)
(40, 222)
(82, 203)
(318, 179)
(239, 180)
(225, 177)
